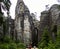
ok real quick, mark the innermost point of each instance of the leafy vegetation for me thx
(12, 46)
(47, 43)
(5, 41)
(21, 46)
(8, 43)
(44, 40)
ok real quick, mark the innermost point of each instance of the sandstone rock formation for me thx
(23, 23)
(50, 19)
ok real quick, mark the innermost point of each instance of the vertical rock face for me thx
(9, 27)
(1, 31)
(51, 19)
(54, 10)
(19, 19)
(22, 22)
(35, 28)
(44, 22)
(27, 29)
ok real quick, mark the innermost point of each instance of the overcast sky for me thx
(34, 6)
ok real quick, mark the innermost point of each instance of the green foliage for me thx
(21, 45)
(4, 46)
(12, 46)
(51, 45)
(8, 43)
(17, 41)
(58, 38)
(45, 39)
(7, 39)
(45, 48)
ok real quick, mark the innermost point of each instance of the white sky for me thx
(33, 5)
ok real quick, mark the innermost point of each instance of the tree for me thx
(58, 38)
(44, 40)
(5, 5)
(51, 45)
(47, 7)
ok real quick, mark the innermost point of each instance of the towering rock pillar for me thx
(19, 19)
(44, 23)
(22, 23)
(27, 31)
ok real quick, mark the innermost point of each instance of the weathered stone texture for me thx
(50, 19)
(23, 23)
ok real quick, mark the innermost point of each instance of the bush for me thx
(7, 39)
(44, 39)
(17, 41)
(45, 47)
(12, 46)
(21, 46)
(51, 45)
(4, 46)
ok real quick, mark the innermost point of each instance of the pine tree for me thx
(51, 45)
(58, 38)
(45, 39)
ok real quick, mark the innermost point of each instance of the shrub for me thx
(21, 46)
(51, 45)
(44, 39)
(7, 39)
(4, 46)
(12, 46)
